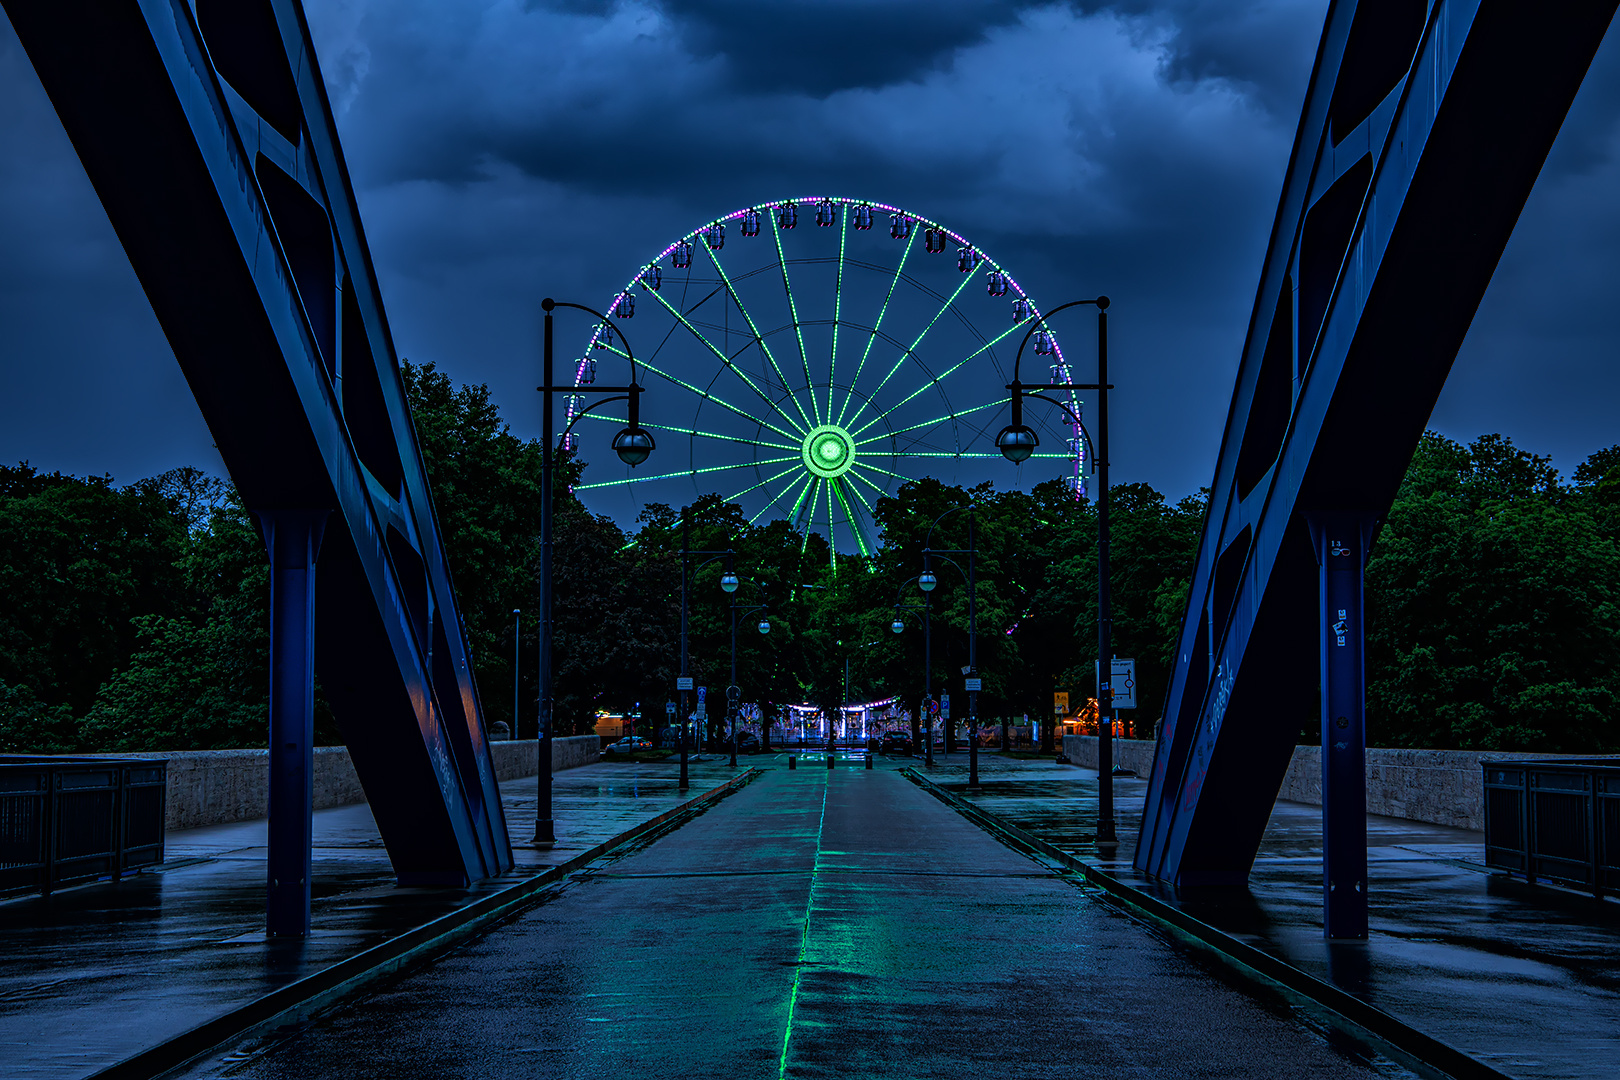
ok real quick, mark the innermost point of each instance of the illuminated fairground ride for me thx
(808, 356)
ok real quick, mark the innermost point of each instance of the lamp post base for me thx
(545, 835)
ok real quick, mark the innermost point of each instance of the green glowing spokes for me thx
(885, 472)
(882, 493)
(966, 278)
(849, 517)
(941, 378)
(695, 432)
(726, 362)
(870, 511)
(927, 423)
(964, 454)
(809, 482)
(762, 483)
(872, 338)
(721, 401)
(683, 472)
(838, 307)
(793, 311)
(766, 349)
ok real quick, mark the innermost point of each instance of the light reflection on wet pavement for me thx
(815, 924)
(1524, 978)
(92, 975)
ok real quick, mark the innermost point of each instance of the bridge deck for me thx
(815, 924)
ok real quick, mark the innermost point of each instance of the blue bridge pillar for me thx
(293, 538)
(1341, 540)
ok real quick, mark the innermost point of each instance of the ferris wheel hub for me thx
(828, 451)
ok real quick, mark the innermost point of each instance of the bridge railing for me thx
(69, 820)
(1556, 821)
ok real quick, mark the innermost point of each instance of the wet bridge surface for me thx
(816, 923)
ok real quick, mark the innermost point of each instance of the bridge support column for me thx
(1341, 540)
(293, 538)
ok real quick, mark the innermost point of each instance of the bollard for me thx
(831, 760)
(793, 762)
(868, 761)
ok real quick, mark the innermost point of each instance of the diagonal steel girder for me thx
(1423, 131)
(207, 133)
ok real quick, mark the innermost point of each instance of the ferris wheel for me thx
(806, 357)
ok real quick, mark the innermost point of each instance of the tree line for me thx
(136, 617)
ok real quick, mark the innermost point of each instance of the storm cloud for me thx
(507, 151)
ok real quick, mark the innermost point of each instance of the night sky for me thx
(507, 151)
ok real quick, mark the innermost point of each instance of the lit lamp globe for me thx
(926, 581)
(764, 626)
(728, 581)
(1017, 442)
(633, 445)
(897, 626)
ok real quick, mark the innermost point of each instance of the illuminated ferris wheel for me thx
(808, 356)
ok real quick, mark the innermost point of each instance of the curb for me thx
(1406, 1041)
(315, 993)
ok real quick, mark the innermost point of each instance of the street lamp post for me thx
(927, 608)
(733, 693)
(633, 444)
(926, 581)
(1016, 443)
(728, 582)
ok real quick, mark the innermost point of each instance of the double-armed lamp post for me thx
(633, 444)
(1017, 442)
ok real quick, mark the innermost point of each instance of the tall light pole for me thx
(733, 692)
(926, 581)
(728, 582)
(633, 444)
(1016, 443)
(898, 626)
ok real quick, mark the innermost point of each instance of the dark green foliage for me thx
(1493, 606)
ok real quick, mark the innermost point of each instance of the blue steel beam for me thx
(1423, 131)
(208, 136)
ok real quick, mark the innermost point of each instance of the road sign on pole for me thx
(683, 682)
(1060, 703)
(973, 684)
(1124, 680)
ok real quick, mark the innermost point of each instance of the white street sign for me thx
(1124, 680)
(683, 682)
(973, 684)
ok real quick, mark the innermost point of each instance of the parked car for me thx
(895, 742)
(628, 745)
(747, 742)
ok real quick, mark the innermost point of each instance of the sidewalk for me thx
(94, 974)
(1524, 978)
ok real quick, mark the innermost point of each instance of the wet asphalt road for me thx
(815, 924)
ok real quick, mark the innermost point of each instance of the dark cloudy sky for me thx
(504, 151)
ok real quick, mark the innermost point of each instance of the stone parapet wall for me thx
(213, 787)
(1442, 787)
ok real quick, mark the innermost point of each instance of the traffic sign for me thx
(1060, 703)
(683, 682)
(973, 684)
(1124, 682)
